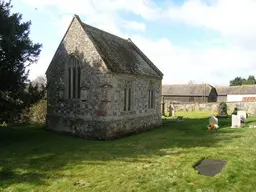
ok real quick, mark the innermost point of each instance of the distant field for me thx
(32, 159)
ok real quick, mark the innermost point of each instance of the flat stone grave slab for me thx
(210, 167)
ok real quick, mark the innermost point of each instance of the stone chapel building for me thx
(101, 86)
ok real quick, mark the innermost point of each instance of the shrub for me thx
(222, 108)
(36, 114)
(4, 124)
(235, 111)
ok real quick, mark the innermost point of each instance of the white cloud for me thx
(213, 65)
(223, 59)
(234, 19)
(133, 25)
(145, 8)
(63, 7)
(41, 66)
(62, 23)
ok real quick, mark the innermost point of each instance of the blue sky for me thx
(209, 41)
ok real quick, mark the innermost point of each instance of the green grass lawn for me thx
(32, 159)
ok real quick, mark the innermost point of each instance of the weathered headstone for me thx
(242, 114)
(236, 121)
(213, 120)
(171, 110)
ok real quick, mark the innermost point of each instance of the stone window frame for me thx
(131, 85)
(73, 66)
(127, 91)
(151, 95)
(151, 99)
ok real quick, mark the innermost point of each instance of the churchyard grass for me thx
(32, 159)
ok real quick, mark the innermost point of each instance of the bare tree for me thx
(40, 81)
(192, 82)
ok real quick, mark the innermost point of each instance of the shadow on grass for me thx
(29, 154)
(8, 176)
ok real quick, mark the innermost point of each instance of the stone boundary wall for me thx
(249, 107)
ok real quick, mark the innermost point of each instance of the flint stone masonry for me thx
(249, 107)
(99, 113)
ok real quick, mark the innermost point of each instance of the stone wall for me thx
(185, 99)
(102, 114)
(107, 119)
(250, 107)
(222, 98)
(101, 129)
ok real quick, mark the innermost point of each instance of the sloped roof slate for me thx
(120, 55)
(187, 89)
(236, 90)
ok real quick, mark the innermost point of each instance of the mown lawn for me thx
(32, 159)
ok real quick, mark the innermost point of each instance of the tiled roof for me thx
(120, 55)
(236, 90)
(187, 89)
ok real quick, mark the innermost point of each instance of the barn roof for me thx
(236, 90)
(120, 55)
(187, 89)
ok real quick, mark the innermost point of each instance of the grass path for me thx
(32, 159)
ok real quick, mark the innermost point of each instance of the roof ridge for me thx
(248, 85)
(186, 84)
(119, 54)
(101, 30)
(150, 63)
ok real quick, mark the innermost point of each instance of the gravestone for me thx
(213, 120)
(171, 110)
(236, 121)
(242, 114)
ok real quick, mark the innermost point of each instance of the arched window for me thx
(151, 95)
(73, 77)
(128, 96)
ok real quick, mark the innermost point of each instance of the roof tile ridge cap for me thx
(173, 84)
(151, 64)
(222, 86)
(249, 85)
